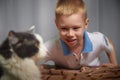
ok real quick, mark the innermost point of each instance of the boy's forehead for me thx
(69, 23)
(73, 17)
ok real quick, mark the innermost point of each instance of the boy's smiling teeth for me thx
(71, 40)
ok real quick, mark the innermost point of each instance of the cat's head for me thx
(24, 44)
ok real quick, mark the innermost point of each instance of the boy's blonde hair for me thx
(68, 7)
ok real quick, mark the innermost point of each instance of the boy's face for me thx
(72, 29)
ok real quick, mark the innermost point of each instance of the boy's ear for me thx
(56, 22)
(31, 29)
(87, 23)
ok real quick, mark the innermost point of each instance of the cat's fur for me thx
(18, 54)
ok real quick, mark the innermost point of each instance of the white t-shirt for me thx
(95, 43)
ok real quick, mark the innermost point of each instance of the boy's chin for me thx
(72, 46)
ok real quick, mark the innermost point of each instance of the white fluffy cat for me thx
(19, 54)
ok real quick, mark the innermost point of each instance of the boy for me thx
(76, 46)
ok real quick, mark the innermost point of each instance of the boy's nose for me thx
(70, 33)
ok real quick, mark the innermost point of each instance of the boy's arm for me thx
(112, 57)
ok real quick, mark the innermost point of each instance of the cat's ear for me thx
(12, 38)
(31, 29)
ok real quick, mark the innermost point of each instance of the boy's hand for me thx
(108, 65)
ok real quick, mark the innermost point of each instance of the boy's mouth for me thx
(71, 41)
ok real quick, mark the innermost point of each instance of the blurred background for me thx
(19, 15)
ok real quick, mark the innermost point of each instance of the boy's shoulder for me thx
(99, 38)
(96, 35)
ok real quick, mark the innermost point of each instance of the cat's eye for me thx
(25, 40)
(37, 44)
(19, 44)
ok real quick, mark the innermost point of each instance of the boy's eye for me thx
(63, 28)
(76, 28)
